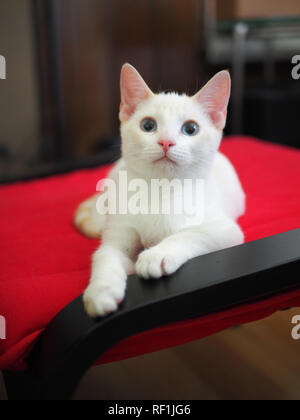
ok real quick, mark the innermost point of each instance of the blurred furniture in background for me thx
(61, 97)
(240, 32)
(20, 142)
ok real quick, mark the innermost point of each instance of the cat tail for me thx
(87, 220)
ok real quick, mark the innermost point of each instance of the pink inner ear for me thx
(215, 98)
(133, 91)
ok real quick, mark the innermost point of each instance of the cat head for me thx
(168, 135)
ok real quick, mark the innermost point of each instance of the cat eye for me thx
(149, 125)
(190, 128)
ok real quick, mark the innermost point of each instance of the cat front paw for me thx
(155, 263)
(100, 300)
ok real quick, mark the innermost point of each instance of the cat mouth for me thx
(165, 159)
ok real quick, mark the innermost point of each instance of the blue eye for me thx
(190, 128)
(149, 125)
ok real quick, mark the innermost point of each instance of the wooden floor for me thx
(252, 362)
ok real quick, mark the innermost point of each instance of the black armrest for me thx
(214, 282)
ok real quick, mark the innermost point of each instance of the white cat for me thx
(164, 136)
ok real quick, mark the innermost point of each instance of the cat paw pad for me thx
(153, 264)
(102, 300)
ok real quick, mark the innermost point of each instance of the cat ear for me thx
(215, 98)
(133, 91)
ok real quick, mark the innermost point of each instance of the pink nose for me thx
(166, 144)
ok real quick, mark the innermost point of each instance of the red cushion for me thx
(45, 263)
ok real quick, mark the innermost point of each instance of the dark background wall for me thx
(19, 108)
(160, 38)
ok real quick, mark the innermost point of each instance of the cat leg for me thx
(87, 219)
(170, 254)
(112, 264)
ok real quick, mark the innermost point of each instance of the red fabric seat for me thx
(45, 263)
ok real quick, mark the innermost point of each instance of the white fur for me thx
(157, 245)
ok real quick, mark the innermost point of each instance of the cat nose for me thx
(166, 144)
